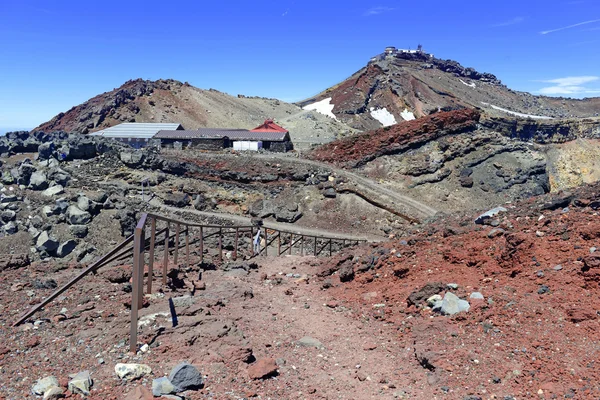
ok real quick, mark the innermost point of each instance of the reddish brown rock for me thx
(139, 393)
(263, 368)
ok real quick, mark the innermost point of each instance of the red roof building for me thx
(269, 126)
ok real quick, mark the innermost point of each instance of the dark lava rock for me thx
(44, 284)
(330, 193)
(177, 199)
(346, 273)
(186, 377)
(420, 296)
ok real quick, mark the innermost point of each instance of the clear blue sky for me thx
(57, 54)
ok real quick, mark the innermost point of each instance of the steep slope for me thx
(172, 101)
(462, 159)
(400, 86)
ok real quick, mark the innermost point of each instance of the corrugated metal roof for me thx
(213, 133)
(269, 126)
(137, 130)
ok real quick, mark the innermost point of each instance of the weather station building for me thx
(268, 136)
(136, 134)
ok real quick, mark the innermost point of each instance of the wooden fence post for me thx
(235, 245)
(137, 273)
(220, 244)
(201, 244)
(302, 246)
(176, 249)
(151, 254)
(291, 243)
(166, 256)
(315, 250)
(266, 241)
(187, 247)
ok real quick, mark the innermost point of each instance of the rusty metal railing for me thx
(260, 239)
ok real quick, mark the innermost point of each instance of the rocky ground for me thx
(505, 309)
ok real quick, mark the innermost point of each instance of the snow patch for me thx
(472, 84)
(382, 115)
(518, 114)
(324, 107)
(407, 115)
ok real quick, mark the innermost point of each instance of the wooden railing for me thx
(260, 240)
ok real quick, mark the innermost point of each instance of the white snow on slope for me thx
(382, 115)
(518, 114)
(472, 84)
(324, 107)
(407, 115)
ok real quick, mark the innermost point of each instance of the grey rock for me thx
(183, 301)
(46, 243)
(53, 191)
(476, 295)
(54, 393)
(8, 198)
(330, 193)
(61, 206)
(8, 215)
(66, 248)
(37, 221)
(38, 181)
(132, 158)
(452, 304)
(480, 220)
(10, 228)
(186, 377)
(44, 384)
(79, 231)
(308, 341)
(543, 289)
(76, 216)
(81, 383)
(558, 267)
(162, 386)
(83, 203)
(48, 211)
(495, 233)
(452, 286)
(45, 150)
(132, 372)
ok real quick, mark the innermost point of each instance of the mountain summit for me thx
(399, 85)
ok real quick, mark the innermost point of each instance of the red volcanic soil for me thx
(369, 145)
(532, 336)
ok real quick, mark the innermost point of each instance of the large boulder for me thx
(46, 243)
(66, 248)
(45, 150)
(128, 221)
(76, 216)
(186, 377)
(177, 199)
(132, 372)
(38, 181)
(132, 159)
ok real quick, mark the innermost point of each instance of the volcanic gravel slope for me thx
(415, 85)
(533, 335)
(168, 100)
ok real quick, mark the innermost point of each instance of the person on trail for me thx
(257, 243)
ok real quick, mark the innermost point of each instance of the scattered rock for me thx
(44, 384)
(53, 191)
(132, 372)
(307, 341)
(263, 368)
(162, 386)
(186, 377)
(79, 231)
(54, 393)
(480, 220)
(76, 216)
(80, 383)
(476, 295)
(452, 304)
(66, 248)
